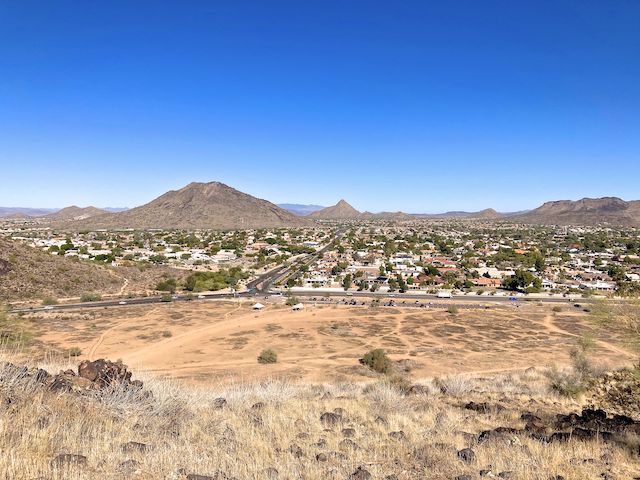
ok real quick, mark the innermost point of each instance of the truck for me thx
(443, 294)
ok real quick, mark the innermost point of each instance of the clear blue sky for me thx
(416, 105)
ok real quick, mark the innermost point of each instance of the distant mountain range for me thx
(217, 206)
(588, 211)
(24, 212)
(27, 212)
(299, 209)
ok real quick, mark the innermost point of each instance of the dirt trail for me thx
(549, 323)
(189, 338)
(94, 348)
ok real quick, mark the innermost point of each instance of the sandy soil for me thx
(219, 341)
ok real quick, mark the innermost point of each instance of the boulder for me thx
(330, 419)
(467, 455)
(361, 474)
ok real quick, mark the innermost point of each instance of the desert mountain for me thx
(588, 211)
(200, 205)
(341, 210)
(298, 209)
(75, 213)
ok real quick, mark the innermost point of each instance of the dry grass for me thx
(275, 424)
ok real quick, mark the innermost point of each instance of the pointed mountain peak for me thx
(342, 209)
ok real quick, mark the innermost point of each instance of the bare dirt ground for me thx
(220, 341)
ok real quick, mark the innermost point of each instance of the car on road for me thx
(201, 297)
(48, 307)
(122, 302)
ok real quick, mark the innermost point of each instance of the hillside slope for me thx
(200, 205)
(29, 273)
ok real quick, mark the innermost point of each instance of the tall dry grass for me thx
(275, 425)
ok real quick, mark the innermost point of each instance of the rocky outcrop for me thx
(97, 376)
(618, 393)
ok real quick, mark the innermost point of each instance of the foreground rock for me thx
(97, 376)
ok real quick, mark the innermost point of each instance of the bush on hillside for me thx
(377, 360)
(267, 356)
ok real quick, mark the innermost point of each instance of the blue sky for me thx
(415, 106)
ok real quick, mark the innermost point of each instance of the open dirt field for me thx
(219, 341)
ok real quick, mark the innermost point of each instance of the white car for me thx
(122, 303)
(200, 297)
(48, 307)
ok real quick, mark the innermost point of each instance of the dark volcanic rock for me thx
(467, 455)
(330, 419)
(361, 474)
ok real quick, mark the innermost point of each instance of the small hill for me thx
(587, 211)
(298, 209)
(30, 273)
(211, 205)
(486, 214)
(341, 210)
(75, 213)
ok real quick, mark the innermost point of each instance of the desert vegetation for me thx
(96, 421)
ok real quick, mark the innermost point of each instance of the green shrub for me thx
(452, 310)
(557, 309)
(166, 298)
(377, 360)
(167, 285)
(582, 374)
(74, 352)
(90, 297)
(49, 301)
(267, 356)
(166, 334)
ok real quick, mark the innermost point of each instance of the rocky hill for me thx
(587, 211)
(29, 273)
(486, 214)
(340, 211)
(75, 213)
(200, 205)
